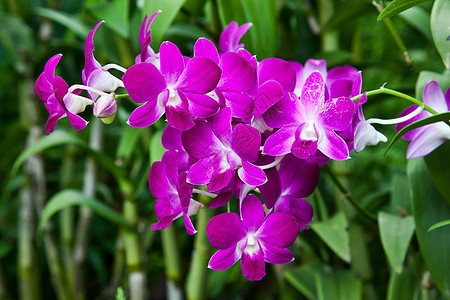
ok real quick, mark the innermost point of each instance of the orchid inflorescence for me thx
(241, 127)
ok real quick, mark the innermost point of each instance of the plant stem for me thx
(196, 280)
(348, 196)
(136, 276)
(85, 214)
(383, 90)
(172, 262)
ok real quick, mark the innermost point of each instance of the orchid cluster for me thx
(241, 127)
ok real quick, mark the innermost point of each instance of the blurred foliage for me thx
(343, 254)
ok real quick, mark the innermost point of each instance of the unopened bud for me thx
(105, 108)
(76, 103)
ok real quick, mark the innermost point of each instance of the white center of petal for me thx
(252, 244)
(174, 99)
(309, 133)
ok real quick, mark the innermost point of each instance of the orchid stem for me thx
(196, 280)
(383, 90)
(348, 196)
(202, 192)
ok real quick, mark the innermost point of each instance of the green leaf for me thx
(418, 18)
(72, 22)
(120, 295)
(60, 137)
(396, 233)
(303, 279)
(438, 164)
(426, 121)
(426, 76)
(156, 148)
(402, 286)
(338, 285)
(128, 140)
(115, 13)
(71, 197)
(400, 194)
(334, 233)
(263, 34)
(439, 224)
(169, 10)
(440, 28)
(398, 6)
(428, 208)
(15, 34)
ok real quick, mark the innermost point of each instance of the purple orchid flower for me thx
(427, 138)
(252, 238)
(315, 124)
(220, 150)
(172, 192)
(178, 89)
(231, 35)
(237, 79)
(95, 75)
(52, 90)
(147, 54)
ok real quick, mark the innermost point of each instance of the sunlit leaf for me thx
(439, 224)
(396, 233)
(72, 22)
(440, 28)
(70, 197)
(334, 233)
(418, 18)
(398, 6)
(116, 15)
(169, 9)
(338, 285)
(156, 148)
(426, 121)
(426, 76)
(428, 208)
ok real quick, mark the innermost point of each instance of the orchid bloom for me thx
(315, 123)
(231, 35)
(172, 192)
(427, 138)
(147, 54)
(53, 90)
(253, 238)
(220, 150)
(179, 89)
(95, 75)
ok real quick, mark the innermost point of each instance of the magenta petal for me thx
(271, 190)
(157, 180)
(188, 225)
(276, 255)
(200, 76)
(162, 223)
(299, 208)
(237, 73)
(434, 98)
(230, 36)
(267, 95)
(333, 146)
(77, 122)
(42, 88)
(220, 180)
(221, 125)
(143, 82)
(225, 230)
(304, 148)
(251, 174)
(298, 176)
(337, 114)
(246, 141)
(253, 265)
(278, 70)
(146, 114)
(51, 123)
(201, 105)
(252, 213)
(200, 141)
(205, 48)
(410, 135)
(427, 139)
(171, 138)
(280, 229)
(312, 65)
(313, 94)
(179, 116)
(282, 113)
(201, 171)
(172, 62)
(280, 142)
(223, 259)
(241, 104)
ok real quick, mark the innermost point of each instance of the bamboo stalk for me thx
(172, 263)
(85, 214)
(196, 280)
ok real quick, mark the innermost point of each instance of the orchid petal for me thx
(246, 141)
(278, 70)
(337, 113)
(179, 116)
(201, 75)
(221, 125)
(172, 62)
(313, 94)
(280, 229)
(237, 73)
(280, 142)
(434, 98)
(223, 259)
(146, 114)
(143, 82)
(276, 255)
(427, 139)
(267, 95)
(333, 146)
(201, 106)
(251, 174)
(225, 230)
(241, 104)
(253, 265)
(271, 190)
(205, 48)
(200, 141)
